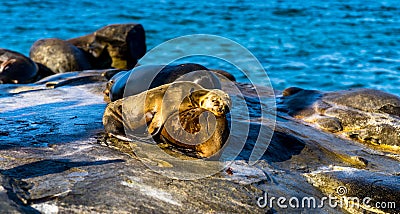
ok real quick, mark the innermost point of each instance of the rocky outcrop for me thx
(59, 56)
(117, 46)
(157, 75)
(55, 157)
(367, 115)
(358, 190)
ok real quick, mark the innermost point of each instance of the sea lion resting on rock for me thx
(367, 115)
(16, 68)
(147, 114)
(162, 74)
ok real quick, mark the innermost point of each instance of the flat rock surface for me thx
(55, 158)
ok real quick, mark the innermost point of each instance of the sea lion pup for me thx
(144, 115)
(59, 56)
(139, 77)
(16, 68)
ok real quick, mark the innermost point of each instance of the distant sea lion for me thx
(139, 78)
(145, 114)
(59, 56)
(16, 68)
(367, 115)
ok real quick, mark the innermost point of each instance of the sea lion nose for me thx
(227, 109)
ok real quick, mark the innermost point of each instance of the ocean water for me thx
(324, 45)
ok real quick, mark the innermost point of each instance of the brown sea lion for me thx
(145, 115)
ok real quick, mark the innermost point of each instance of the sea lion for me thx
(144, 115)
(59, 56)
(16, 68)
(140, 77)
(367, 115)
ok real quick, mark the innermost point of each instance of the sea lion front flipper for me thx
(7, 63)
(112, 119)
(154, 126)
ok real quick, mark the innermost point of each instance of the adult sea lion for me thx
(146, 77)
(16, 68)
(144, 115)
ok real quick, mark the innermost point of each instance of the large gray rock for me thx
(118, 46)
(54, 157)
(59, 56)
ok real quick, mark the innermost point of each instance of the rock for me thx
(54, 156)
(368, 100)
(367, 115)
(16, 68)
(114, 46)
(182, 113)
(75, 78)
(358, 191)
(59, 56)
(226, 74)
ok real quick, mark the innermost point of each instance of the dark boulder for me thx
(118, 46)
(59, 56)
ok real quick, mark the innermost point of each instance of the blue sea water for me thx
(325, 45)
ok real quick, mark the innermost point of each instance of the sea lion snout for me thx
(216, 101)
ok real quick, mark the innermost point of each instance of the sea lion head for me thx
(215, 101)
